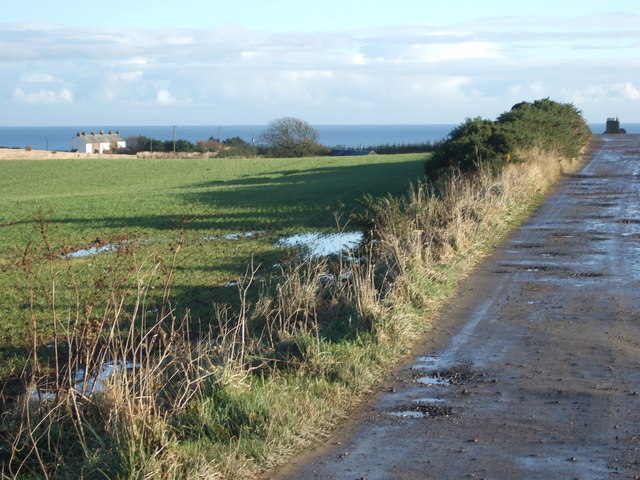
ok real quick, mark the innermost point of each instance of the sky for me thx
(247, 62)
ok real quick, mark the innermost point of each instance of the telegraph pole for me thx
(174, 140)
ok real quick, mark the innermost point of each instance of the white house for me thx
(97, 143)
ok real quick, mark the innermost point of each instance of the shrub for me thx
(548, 126)
(470, 146)
(545, 125)
(237, 147)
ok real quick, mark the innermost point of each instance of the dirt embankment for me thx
(18, 154)
(533, 370)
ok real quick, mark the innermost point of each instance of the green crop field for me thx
(53, 207)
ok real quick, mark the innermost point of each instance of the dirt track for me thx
(19, 154)
(537, 363)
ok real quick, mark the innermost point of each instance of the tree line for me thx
(230, 147)
(286, 137)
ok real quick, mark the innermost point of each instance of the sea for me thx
(333, 136)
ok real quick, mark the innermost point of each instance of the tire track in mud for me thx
(534, 370)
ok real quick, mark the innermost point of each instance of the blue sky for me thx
(328, 62)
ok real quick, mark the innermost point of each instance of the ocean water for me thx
(348, 136)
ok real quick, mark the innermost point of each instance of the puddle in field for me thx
(87, 384)
(231, 236)
(238, 236)
(88, 252)
(318, 244)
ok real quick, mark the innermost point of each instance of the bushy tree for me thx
(543, 124)
(140, 143)
(291, 137)
(474, 144)
(547, 125)
(180, 146)
(237, 147)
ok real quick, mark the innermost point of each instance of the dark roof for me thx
(100, 137)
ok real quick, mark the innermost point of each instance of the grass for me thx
(152, 202)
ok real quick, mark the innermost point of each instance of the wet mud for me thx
(533, 370)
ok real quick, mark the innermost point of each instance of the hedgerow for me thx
(476, 144)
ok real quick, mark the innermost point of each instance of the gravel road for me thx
(533, 371)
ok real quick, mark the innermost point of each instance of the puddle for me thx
(238, 236)
(317, 244)
(231, 236)
(424, 411)
(407, 414)
(526, 246)
(429, 400)
(428, 363)
(554, 254)
(88, 252)
(87, 385)
(588, 275)
(95, 383)
(433, 381)
(450, 376)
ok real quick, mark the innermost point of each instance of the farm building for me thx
(613, 126)
(97, 143)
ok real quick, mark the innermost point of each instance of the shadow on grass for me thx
(337, 184)
(281, 199)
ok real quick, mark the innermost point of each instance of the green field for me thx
(147, 204)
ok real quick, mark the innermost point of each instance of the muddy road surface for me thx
(533, 372)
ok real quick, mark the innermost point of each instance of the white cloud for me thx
(37, 78)
(631, 92)
(42, 96)
(164, 98)
(530, 90)
(359, 59)
(606, 93)
(252, 55)
(137, 61)
(131, 76)
(439, 52)
(442, 87)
